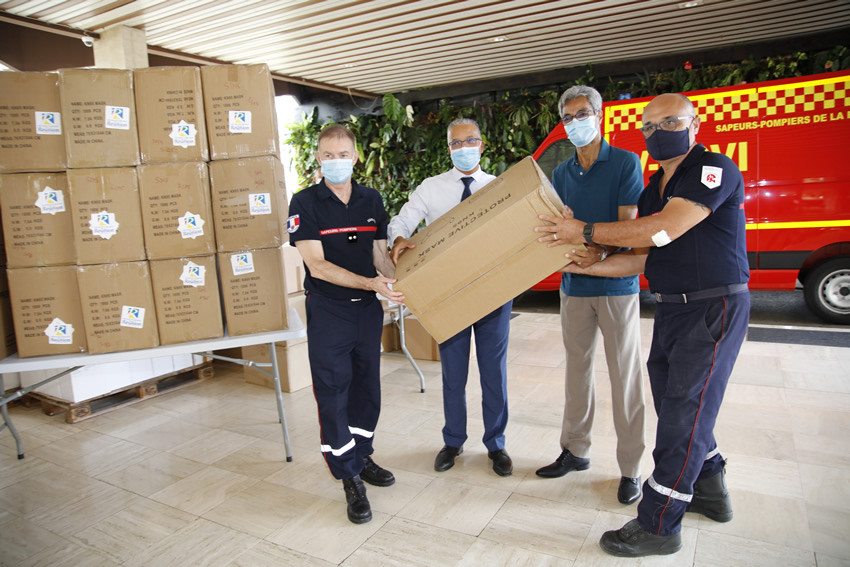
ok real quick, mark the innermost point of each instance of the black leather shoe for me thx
(711, 498)
(629, 490)
(359, 510)
(502, 464)
(446, 458)
(565, 463)
(633, 541)
(376, 475)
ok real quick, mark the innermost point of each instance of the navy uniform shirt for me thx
(714, 252)
(346, 232)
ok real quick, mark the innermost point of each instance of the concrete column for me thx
(121, 47)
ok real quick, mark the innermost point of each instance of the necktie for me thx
(467, 181)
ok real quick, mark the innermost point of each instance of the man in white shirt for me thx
(434, 197)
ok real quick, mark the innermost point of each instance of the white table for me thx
(73, 362)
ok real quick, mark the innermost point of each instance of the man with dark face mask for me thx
(690, 243)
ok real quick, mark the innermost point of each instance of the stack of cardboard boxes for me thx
(113, 228)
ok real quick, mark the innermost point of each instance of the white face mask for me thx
(337, 171)
(582, 132)
(466, 159)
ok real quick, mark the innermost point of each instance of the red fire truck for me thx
(791, 140)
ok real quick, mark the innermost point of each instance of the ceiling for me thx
(380, 46)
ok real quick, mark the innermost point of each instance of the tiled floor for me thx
(197, 477)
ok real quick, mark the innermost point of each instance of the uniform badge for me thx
(711, 176)
(292, 223)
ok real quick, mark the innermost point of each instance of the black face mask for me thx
(664, 145)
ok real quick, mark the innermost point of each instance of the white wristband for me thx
(660, 238)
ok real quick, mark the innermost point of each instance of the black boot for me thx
(359, 510)
(711, 498)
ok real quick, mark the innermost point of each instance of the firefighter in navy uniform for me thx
(690, 243)
(340, 229)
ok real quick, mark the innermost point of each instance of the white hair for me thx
(458, 122)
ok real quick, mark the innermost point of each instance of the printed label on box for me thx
(132, 316)
(193, 275)
(50, 201)
(239, 121)
(48, 123)
(190, 225)
(117, 117)
(103, 224)
(59, 332)
(260, 204)
(183, 134)
(242, 263)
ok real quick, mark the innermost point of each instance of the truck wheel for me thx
(827, 291)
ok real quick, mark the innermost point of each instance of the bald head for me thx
(666, 105)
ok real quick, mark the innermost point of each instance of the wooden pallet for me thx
(79, 411)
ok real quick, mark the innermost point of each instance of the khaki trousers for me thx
(618, 318)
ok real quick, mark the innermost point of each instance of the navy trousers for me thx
(344, 344)
(491, 345)
(694, 347)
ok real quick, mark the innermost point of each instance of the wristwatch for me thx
(588, 233)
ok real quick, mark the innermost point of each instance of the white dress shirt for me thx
(434, 197)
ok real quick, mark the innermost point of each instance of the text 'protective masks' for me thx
(664, 144)
(466, 159)
(337, 171)
(582, 132)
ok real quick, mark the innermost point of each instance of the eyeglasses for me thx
(580, 115)
(668, 124)
(468, 143)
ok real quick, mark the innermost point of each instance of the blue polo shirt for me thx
(614, 180)
(714, 252)
(346, 231)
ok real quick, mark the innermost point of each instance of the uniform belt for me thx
(700, 294)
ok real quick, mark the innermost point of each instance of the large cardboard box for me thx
(482, 253)
(249, 203)
(170, 114)
(176, 210)
(100, 117)
(118, 306)
(47, 311)
(37, 221)
(294, 269)
(240, 112)
(107, 215)
(188, 307)
(420, 344)
(7, 325)
(293, 362)
(31, 137)
(252, 289)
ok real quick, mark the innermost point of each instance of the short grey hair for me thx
(458, 122)
(578, 91)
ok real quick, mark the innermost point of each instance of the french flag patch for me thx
(292, 223)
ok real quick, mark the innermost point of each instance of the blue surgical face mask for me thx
(337, 171)
(582, 132)
(664, 144)
(466, 159)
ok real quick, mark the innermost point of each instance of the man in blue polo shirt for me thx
(340, 229)
(690, 241)
(599, 183)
